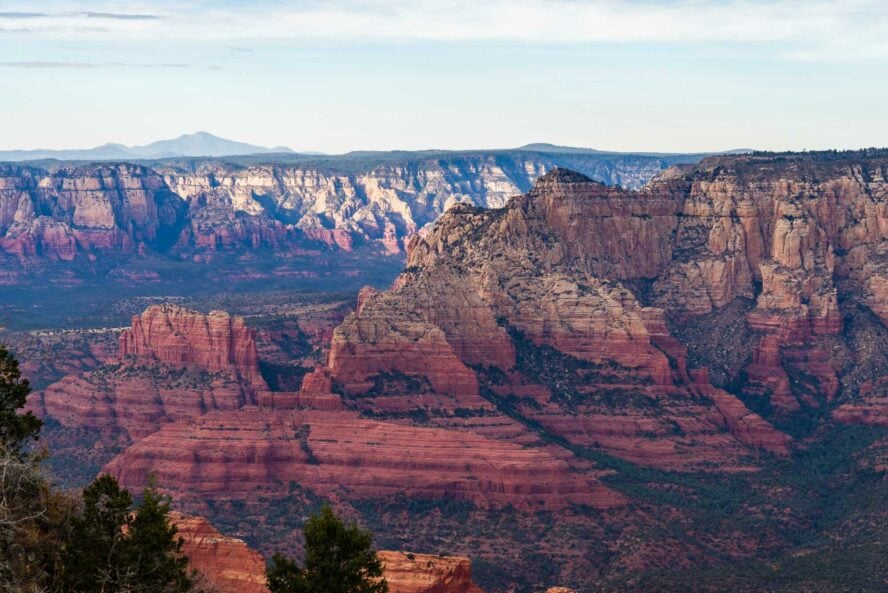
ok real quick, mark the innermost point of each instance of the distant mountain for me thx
(200, 144)
(547, 147)
(554, 148)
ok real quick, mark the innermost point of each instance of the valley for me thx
(611, 388)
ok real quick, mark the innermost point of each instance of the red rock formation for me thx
(43, 237)
(492, 289)
(105, 207)
(332, 237)
(316, 394)
(228, 564)
(423, 573)
(210, 205)
(173, 364)
(179, 337)
(139, 399)
(231, 454)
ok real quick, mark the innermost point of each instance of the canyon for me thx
(191, 209)
(584, 383)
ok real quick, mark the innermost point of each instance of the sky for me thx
(341, 75)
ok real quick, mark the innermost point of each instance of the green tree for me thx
(16, 429)
(94, 562)
(339, 558)
(34, 517)
(154, 553)
(115, 549)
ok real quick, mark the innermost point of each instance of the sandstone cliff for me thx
(196, 207)
(531, 308)
(339, 454)
(179, 337)
(172, 364)
(592, 280)
(424, 573)
(85, 209)
(228, 564)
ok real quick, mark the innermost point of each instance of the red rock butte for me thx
(176, 336)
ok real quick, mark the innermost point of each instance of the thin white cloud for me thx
(44, 65)
(23, 15)
(122, 16)
(812, 29)
(49, 65)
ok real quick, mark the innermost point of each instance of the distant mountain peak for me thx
(548, 147)
(197, 144)
(201, 143)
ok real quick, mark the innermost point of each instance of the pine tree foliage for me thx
(339, 558)
(16, 429)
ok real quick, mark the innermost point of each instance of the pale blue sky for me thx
(679, 75)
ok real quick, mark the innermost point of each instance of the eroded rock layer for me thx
(234, 454)
(179, 337)
(228, 564)
(197, 207)
(424, 573)
(172, 364)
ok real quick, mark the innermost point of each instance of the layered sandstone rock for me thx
(591, 271)
(138, 398)
(228, 564)
(74, 209)
(532, 298)
(172, 364)
(235, 454)
(406, 572)
(200, 206)
(176, 336)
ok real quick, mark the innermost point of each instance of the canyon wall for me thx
(566, 301)
(196, 207)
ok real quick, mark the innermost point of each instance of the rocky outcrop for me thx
(215, 341)
(138, 399)
(227, 564)
(590, 274)
(172, 364)
(538, 302)
(242, 453)
(84, 209)
(406, 572)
